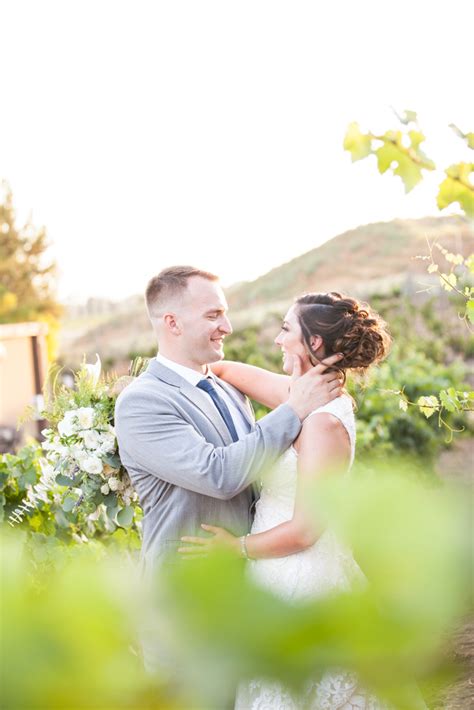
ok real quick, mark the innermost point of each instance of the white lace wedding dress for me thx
(318, 570)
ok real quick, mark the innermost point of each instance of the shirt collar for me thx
(191, 376)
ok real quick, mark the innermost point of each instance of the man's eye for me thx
(212, 317)
(284, 327)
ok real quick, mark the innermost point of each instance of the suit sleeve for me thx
(155, 439)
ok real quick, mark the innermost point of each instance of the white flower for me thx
(105, 490)
(93, 370)
(114, 483)
(108, 443)
(91, 464)
(78, 453)
(67, 426)
(85, 417)
(91, 438)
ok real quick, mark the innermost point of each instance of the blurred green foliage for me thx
(71, 629)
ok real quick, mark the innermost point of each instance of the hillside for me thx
(373, 258)
(363, 260)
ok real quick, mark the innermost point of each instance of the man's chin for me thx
(216, 355)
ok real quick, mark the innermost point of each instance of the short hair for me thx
(169, 283)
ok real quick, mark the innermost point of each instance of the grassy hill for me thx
(375, 258)
(369, 258)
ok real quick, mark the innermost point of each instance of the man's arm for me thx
(154, 438)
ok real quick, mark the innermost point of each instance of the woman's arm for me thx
(323, 448)
(261, 385)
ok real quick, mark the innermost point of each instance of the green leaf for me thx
(125, 517)
(113, 460)
(112, 512)
(403, 404)
(449, 399)
(358, 144)
(110, 500)
(457, 187)
(428, 405)
(63, 480)
(69, 503)
(470, 311)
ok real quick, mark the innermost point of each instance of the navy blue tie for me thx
(208, 386)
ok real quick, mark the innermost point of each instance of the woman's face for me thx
(290, 340)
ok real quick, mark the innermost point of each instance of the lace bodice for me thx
(326, 566)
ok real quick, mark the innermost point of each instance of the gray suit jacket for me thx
(182, 461)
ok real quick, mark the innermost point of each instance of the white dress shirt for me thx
(193, 377)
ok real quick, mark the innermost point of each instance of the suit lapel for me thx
(203, 402)
(200, 399)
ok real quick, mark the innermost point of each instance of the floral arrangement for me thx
(81, 471)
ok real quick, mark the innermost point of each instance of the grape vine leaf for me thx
(358, 144)
(457, 187)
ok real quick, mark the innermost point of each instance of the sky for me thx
(144, 134)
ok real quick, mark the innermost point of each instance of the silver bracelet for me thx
(243, 547)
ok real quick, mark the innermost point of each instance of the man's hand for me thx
(315, 388)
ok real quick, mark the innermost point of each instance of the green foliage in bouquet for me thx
(75, 485)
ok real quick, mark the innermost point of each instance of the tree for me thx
(27, 275)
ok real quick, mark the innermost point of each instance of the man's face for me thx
(203, 322)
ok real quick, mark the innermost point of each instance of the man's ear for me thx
(171, 323)
(316, 342)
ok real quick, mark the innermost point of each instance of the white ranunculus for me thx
(85, 417)
(91, 464)
(91, 438)
(114, 483)
(67, 426)
(108, 443)
(78, 452)
(105, 490)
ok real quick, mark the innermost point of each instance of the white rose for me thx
(114, 483)
(67, 426)
(91, 464)
(105, 490)
(91, 438)
(85, 417)
(108, 443)
(78, 453)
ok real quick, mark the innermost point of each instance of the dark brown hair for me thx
(169, 283)
(346, 326)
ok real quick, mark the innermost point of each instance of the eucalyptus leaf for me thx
(125, 517)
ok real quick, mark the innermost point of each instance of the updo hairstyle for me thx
(346, 326)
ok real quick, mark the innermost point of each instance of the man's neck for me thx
(183, 361)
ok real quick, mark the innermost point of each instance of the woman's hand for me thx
(202, 545)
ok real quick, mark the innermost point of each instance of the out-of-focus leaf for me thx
(125, 516)
(457, 187)
(428, 405)
(357, 143)
(470, 311)
(468, 137)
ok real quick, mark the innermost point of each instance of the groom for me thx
(187, 439)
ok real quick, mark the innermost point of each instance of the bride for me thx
(288, 553)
